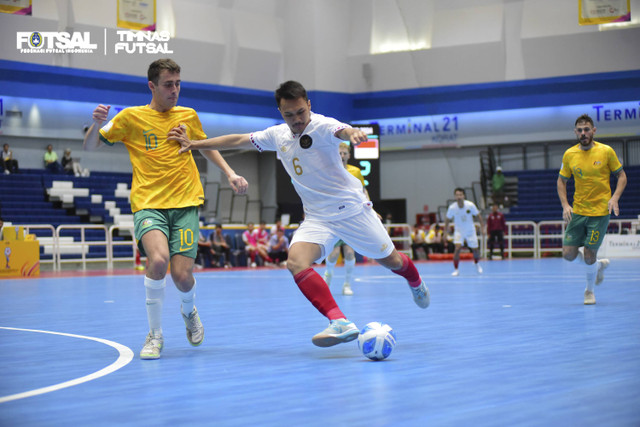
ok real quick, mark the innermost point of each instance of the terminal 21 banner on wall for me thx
(506, 126)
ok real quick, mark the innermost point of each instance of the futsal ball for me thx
(377, 340)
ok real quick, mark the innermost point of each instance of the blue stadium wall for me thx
(49, 82)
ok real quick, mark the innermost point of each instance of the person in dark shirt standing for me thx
(496, 227)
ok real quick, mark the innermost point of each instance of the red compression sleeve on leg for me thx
(409, 271)
(314, 288)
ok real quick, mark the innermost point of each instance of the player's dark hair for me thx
(460, 189)
(584, 118)
(156, 67)
(290, 90)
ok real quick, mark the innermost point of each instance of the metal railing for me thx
(110, 255)
(401, 237)
(84, 244)
(554, 239)
(521, 237)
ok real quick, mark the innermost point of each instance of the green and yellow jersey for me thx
(162, 178)
(591, 171)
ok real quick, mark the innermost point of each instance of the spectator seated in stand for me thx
(72, 166)
(203, 258)
(435, 239)
(250, 240)
(220, 248)
(51, 160)
(279, 247)
(418, 240)
(9, 163)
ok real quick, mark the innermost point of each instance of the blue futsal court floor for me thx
(513, 347)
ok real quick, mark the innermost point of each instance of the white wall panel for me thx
(597, 52)
(467, 26)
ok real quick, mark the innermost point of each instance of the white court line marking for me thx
(125, 356)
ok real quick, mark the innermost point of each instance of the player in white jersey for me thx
(334, 204)
(463, 212)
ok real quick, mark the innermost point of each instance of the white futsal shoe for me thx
(195, 330)
(455, 273)
(338, 331)
(421, 295)
(604, 264)
(479, 268)
(589, 298)
(346, 289)
(152, 347)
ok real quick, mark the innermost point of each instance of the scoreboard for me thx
(366, 156)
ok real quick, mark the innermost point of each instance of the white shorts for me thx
(470, 236)
(364, 232)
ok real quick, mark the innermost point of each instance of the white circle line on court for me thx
(124, 357)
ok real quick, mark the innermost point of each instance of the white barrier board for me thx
(620, 246)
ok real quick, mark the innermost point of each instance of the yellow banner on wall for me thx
(16, 7)
(592, 12)
(137, 14)
(19, 258)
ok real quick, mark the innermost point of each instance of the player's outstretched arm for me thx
(224, 142)
(91, 138)
(353, 135)
(620, 185)
(238, 184)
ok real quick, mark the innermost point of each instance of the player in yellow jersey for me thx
(591, 164)
(165, 193)
(348, 252)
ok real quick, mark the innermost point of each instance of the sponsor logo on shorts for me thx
(147, 223)
(383, 247)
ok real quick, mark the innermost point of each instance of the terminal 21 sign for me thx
(506, 126)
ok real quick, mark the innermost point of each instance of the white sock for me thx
(154, 290)
(348, 265)
(188, 300)
(592, 272)
(330, 265)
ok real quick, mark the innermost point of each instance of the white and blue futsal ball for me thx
(377, 340)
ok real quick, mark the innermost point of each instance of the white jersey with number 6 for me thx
(312, 160)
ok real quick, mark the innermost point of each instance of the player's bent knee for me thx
(158, 262)
(295, 265)
(393, 261)
(183, 280)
